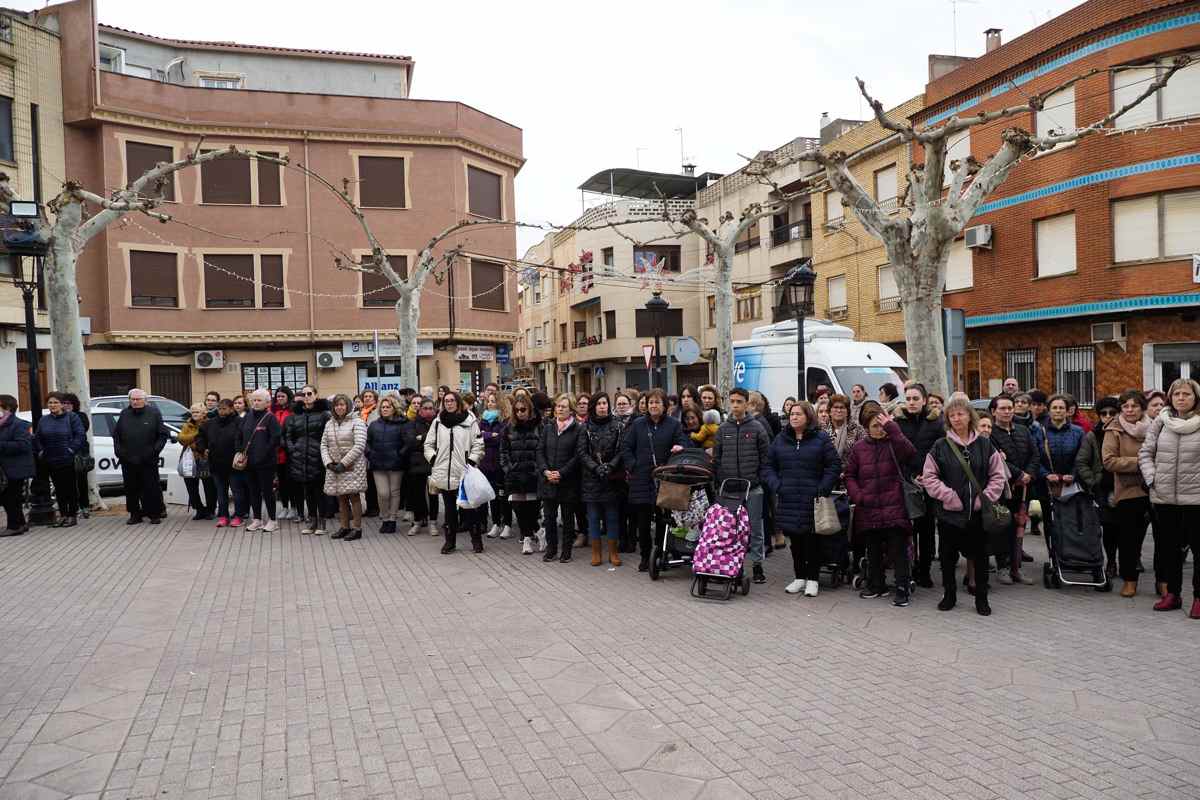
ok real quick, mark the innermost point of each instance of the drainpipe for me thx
(308, 249)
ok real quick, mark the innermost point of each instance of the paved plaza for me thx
(180, 661)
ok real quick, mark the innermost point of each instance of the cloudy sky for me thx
(598, 85)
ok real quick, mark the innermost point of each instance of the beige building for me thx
(32, 155)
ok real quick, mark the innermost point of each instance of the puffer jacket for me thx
(741, 450)
(921, 430)
(385, 444)
(59, 438)
(1090, 471)
(448, 449)
(1120, 454)
(414, 445)
(1019, 449)
(344, 442)
(220, 442)
(16, 448)
(281, 413)
(262, 447)
(1170, 459)
(1059, 447)
(873, 480)
(492, 433)
(600, 444)
(302, 439)
(139, 435)
(645, 445)
(946, 482)
(559, 451)
(799, 471)
(518, 457)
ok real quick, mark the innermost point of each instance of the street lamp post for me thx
(657, 307)
(798, 299)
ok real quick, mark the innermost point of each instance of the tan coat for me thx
(1120, 453)
(345, 442)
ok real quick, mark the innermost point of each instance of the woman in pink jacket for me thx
(957, 494)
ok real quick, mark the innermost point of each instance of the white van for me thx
(766, 362)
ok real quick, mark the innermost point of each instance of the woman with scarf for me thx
(452, 443)
(1123, 438)
(518, 461)
(843, 430)
(1170, 464)
(386, 458)
(600, 454)
(422, 504)
(922, 426)
(191, 438)
(282, 409)
(258, 438)
(623, 411)
(492, 427)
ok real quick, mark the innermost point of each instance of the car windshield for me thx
(102, 424)
(871, 378)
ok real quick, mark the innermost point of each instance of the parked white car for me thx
(173, 413)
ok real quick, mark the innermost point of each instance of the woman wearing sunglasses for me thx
(302, 442)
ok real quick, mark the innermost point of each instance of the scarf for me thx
(839, 437)
(607, 418)
(1135, 429)
(365, 412)
(451, 419)
(564, 424)
(1181, 426)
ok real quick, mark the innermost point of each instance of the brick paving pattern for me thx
(183, 662)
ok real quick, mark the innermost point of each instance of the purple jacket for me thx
(492, 433)
(873, 480)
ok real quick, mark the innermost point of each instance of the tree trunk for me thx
(724, 318)
(926, 353)
(408, 315)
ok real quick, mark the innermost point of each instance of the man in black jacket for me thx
(741, 454)
(1021, 456)
(138, 438)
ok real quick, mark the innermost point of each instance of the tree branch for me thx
(888, 124)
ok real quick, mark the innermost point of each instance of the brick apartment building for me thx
(255, 278)
(1087, 285)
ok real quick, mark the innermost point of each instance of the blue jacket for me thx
(647, 445)
(16, 449)
(59, 438)
(1063, 445)
(797, 472)
(386, 446)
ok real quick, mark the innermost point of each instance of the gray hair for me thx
(263, 393)
(135, 390)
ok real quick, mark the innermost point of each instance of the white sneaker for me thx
(811, 589)
(527, 545)
(796, 586)
(493, 532)
(271, 526)
(506, 532)
(414, 529)
(541, 540)
(283, 515)
(308, 527)
(254, 526)
(319, 530)
(434, 530)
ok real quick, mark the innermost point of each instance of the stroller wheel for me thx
(745, 585)
(859, 582)
(655, 563)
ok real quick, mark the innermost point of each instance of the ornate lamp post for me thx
(798, 300)
(657, 306)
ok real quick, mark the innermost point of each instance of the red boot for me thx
(1169, 602)
(1195, 612)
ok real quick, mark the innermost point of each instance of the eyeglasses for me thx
(308, 394)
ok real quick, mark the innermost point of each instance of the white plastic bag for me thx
(475, 489)
(187, 464)
(825, 517)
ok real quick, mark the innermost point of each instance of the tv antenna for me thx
(954, 14)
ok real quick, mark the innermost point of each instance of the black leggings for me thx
(972, 543)
(1178, 526)
(569, 510)
(418, 500)
(644, 513)
(806, 554)
(526, 512)
(1131, 534)
(451, 501)
(262, 490)
(896, 541)
(312, 494)
(63, 478)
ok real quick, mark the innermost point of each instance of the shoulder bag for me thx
(671, 496)
(997, 519)
(241, 458)
(914, 495)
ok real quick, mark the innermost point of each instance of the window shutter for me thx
(1182, 213)
(487, 285)
(1056, 245)
(269, 193)
(837, 292)
(960, 268)
(381, 182)
(271, 274)
(153, 279)
(885, 184)
(958, 148)
(140, 158)
(833, 207)
(1181, 95)
(225, 181)
(483, 191)
(887, 283)
(377, 289)
(1058, 113)
(1135, 229)
(1127, 85)
(228, 280)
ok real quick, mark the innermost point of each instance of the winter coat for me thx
(262, 448)
(1059, 447)
(645, 445)
(449, 449)
(1089, 468)
(873, 480)
(741, 450)
(59, 438)
(600, 445)
(344, 442)
(1019, 449)
(854, 432)
(492, 433)
(1120, 454)
(799, 471)
(302, 439)
(559, 451)
(219, 437)
(281, 416)
(1170, 459)
(1081, 419)
(16, 448)
(385, 444)
(518, 457)
(706, 437)
(139, 435)
(921, 430)
(414, 446)
(946, 482)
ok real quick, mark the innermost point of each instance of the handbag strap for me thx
(966, 467)
(896, 461)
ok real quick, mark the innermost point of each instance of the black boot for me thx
(568, 541)
(981, 600)
(451, 539)
(340, 534)
(476, 541)
(949, 598)
(551, 547)
(354, 535)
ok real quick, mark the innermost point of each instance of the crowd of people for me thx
(920, 471)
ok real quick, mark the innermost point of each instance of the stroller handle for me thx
(745, 494)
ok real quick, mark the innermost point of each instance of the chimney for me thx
(993, 39)
(825, 120)
(689, 169)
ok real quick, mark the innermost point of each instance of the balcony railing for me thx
(838, 312)
(587, 341)
(886, 304)
(791, 232)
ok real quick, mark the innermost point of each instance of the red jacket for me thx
(873, 481)
(281, 414)
(1081, 419)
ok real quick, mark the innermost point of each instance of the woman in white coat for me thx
(342, 447)
(453, 442)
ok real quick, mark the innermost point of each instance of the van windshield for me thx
(871, 378)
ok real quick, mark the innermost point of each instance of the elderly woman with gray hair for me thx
(258, 439)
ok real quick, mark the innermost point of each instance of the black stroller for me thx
(1075, 545)
(686, 473)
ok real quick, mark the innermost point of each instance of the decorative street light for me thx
(797, 299)
(657, 307)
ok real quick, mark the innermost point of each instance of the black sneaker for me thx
(133, 520)
(871, 594)
(901, 598)
(947, 602)
(759, 575)
(924, 581)
(389, 526)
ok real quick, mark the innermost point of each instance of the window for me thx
(888, 290)
(270, 189)
(6, 129)
(485, 193)
(885, 187)
(140, 158)
(377, 290)
(834, 211)
(836, 288)
(749, 239)
(660, 258)
(271, 278)
(749, 308)
(957, 149)
(153, 279)
(112, 59)
(487, 286)
(1178, 99)
(712, 311)
(381, 182)
(232, 181)
(1181, 95)
(7, 265)
(562, 336)
(244, 280)
(545, 334)
(960, 271)
(1058, 115)
(1073, 373)
(529, 340)
(606, 257)
(1159, 226)
(219, 81)
(610, 324)
(1055, 245)
(1022, 365)
(1181, 229)
(271, 376)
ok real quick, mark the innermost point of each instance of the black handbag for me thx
(997, 519)
(914, 495)
(84, 464)
(203, 470)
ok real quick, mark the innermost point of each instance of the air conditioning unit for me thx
(1109, 332)
(329, 359)
(978, 237)
(209, 359)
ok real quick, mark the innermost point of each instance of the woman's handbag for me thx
(241, 457)
(187, 464)
(83, 463)
(997, 519)
(203, 470)
(826, 521)
(914, 495)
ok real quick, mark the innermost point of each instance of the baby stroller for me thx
(683, 481)
(1075, 545)
(720, 555)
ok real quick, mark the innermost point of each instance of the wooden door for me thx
(23, 377)
(172, 381)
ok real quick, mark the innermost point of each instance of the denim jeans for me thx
(222, 484)
(754, 507)
(239, 487)
(611, 512)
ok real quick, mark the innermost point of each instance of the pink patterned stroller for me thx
(720, 554)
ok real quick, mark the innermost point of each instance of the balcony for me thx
(791, 232)
(887, 304)
(838, 312)
(587, 341)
